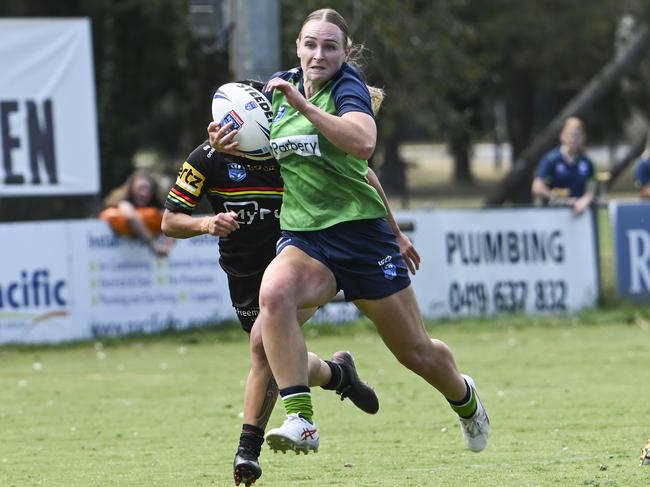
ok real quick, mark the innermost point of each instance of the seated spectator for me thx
(642, 174)
(566, 176)
(135, 209)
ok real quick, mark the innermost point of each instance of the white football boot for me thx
(476, 429)
(645, 454)
(296, 434)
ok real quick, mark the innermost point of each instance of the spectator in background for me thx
(135, 209)
(566, 175)
(642, 174)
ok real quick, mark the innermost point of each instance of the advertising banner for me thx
(35, 287)
(77, 280)
(73, 280)
(630, 224)
(48, 120)
(520, 260)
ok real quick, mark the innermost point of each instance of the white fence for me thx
(71, 280)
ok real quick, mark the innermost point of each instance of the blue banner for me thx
(631, 237)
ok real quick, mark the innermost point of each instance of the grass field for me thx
(567, 398)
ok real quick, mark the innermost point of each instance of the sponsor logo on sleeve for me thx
(190, 179)
(302, 145)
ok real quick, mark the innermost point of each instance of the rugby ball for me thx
(250, 112)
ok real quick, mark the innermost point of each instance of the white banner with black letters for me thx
(487, 261)
(48, 119)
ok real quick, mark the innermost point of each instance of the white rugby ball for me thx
(251, 114)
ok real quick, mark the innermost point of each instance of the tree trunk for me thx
(459, 141)
(632, 155)
(393, 169)
(514, 184)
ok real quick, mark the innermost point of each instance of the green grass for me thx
(567, 397)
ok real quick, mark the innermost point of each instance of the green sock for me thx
(299, 403)
(466, 407)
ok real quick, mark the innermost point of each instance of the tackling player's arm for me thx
(181, 225)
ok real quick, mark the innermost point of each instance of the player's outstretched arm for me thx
(180, 225)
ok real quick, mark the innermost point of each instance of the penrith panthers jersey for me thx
(251, 189)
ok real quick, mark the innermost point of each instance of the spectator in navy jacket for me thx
(566, 176)
(642, 174)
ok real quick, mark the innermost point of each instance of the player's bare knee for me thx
(276, 298)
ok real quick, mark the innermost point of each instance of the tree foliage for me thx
(444, 64)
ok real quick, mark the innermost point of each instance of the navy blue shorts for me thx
(363, 255)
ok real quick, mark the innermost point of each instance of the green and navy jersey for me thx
(642, 173)
(558, 173)
(323, 185)
(251, 189)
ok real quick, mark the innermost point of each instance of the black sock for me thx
(252, 438)
(337, 376)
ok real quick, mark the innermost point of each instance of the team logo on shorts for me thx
(390, 270)
(236, 172)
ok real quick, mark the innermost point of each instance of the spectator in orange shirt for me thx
(135, 209)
